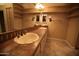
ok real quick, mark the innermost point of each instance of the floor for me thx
(55, 47)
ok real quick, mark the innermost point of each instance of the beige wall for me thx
(27, 20)
(1, 7)
(73, 26)
(56, 29)
(72, 32)
(17, 24)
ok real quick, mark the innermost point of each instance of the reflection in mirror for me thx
(44, 18)
(37, 18)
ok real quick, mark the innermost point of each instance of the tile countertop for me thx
(13, 49)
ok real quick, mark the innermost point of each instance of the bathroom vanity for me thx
(12, 48)
(40, 49)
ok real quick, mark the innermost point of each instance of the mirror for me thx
(44, 18)
(37, 18)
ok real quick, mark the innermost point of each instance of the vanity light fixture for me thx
(39, 7)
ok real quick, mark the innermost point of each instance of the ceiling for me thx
(32, 5)
(49, 7)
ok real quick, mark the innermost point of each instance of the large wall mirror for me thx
(41, 17)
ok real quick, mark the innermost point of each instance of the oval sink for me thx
(43, 28)
(27, 38)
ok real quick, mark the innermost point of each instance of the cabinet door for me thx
(43, 42)
(38, 51)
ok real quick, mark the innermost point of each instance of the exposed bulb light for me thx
(39, 6)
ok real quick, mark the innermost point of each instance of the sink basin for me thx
(43, 28)
(27, 38)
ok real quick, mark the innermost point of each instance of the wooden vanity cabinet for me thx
(41, 46)
(38, 51)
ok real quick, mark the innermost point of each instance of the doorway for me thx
(2, 23)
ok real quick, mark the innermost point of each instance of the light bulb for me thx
(39, 6)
